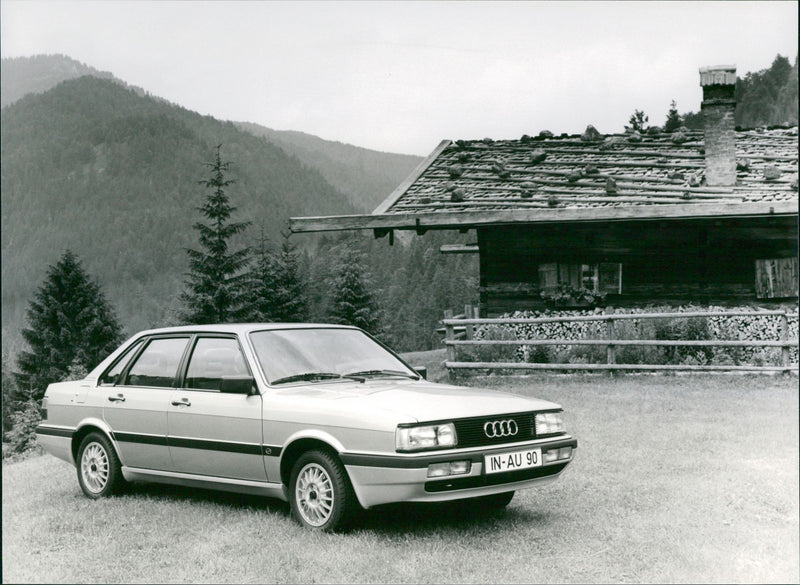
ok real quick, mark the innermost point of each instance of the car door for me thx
(136, 406)
(215, 433)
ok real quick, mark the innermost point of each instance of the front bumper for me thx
(380, 479)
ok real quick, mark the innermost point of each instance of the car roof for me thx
(239, 328)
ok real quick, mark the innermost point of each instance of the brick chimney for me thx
(718, 107)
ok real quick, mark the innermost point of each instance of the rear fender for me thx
(87, 426)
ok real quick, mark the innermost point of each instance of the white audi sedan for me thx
(322, 416)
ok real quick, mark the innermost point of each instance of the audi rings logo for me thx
(500, 428)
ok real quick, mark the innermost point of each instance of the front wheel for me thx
(320, 494)
(99, 470)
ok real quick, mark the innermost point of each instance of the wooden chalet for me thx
(707, 217)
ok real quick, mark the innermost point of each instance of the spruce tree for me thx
(673, 118)
(291, 300)
(278, 288)
(352, 303)
(262, 284)
(70, 325)
(216, 285)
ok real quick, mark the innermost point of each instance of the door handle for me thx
(117, 398)
(181, 402)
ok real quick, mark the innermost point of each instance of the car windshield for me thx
(312, 355)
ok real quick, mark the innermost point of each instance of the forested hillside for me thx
(112, 175)
(366, 176)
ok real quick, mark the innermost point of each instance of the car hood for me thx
(419, 401)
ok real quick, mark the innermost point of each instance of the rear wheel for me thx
(320, 494)
(99, 470)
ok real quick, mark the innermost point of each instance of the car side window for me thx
(157, 365)
(111, 376)
(212, 359)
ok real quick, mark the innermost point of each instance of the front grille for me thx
(470, 431)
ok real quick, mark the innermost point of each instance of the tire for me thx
(99, 470)
(495, 501)
(320, 494)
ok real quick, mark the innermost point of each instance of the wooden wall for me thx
(663, 261)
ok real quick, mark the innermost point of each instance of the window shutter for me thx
(570, 274)
(548, 276)
(776, 278)
(610, 278)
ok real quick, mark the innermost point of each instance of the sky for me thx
(402, 76)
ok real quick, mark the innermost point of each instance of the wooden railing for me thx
(460, 332)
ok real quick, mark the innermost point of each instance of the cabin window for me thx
(605, 277)
(776, 278)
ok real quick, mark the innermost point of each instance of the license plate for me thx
(513, 461)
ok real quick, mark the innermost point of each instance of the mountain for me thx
(93, 166)
(366, 176)
(20, 76)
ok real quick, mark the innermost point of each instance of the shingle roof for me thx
(619, 170)
(469, 183)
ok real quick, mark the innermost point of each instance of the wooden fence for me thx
(459, 331)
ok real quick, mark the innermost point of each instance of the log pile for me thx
(725, 327)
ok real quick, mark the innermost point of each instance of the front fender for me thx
(314, 434)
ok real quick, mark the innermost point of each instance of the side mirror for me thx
(422, 371)
(237, 385)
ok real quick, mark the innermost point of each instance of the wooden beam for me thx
(415, 174)
(461, 219)
(454, 365)
(459, 249)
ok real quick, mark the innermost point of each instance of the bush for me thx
(688, 329)
(21, 438)
(538, 354)
(494, 353)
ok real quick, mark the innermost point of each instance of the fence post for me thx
(449, 335)
(784, 338)
(611, 354)
(468, 326)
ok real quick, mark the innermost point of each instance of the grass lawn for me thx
(677, 479)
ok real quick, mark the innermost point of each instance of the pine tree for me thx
(352, 302)
(71, 325)
(673, 118)
(290, 300)
(638, 120)
(217, 279)
(262, 284)
(9, 393)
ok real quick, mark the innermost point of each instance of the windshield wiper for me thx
(382, 373)
(308, 377)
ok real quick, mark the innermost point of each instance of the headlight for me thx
(426, 437)
(549, 423)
